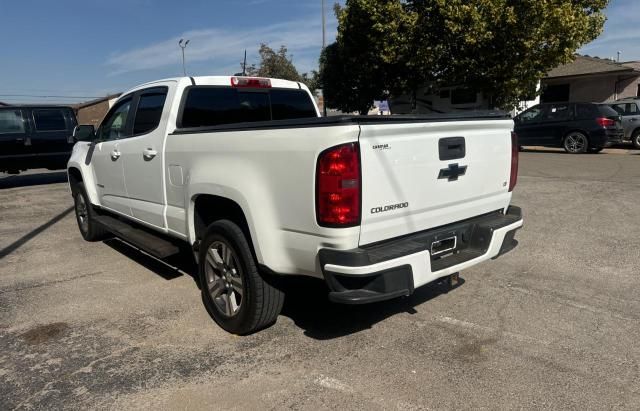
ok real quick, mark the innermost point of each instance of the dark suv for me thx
(576, 127)
(35, 137)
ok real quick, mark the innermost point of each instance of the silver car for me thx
(629, 109)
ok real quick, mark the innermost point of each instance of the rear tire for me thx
(85, 216)
(235, 293)
(575, 143)
(635, 139)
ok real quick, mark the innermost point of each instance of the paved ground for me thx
(555, 324)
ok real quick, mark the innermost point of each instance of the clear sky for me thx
(88, 48)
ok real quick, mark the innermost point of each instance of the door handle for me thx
(115, 154)
(149, 153)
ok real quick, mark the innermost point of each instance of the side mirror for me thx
(84, 133)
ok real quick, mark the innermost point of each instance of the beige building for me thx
(92, 112)
(591, 79)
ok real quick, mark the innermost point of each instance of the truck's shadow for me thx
(307, 305)
(26, 180)
(306, 301)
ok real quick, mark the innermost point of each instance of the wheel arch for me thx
(75, 177)
(208, 208)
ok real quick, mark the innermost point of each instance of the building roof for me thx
(96, 101)
(586, 65)
(633, 64)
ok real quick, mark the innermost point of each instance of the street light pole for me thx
(324, 29)
(183, 45)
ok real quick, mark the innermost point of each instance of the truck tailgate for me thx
(421, 175)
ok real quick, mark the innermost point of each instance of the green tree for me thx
(279, 64)
(500, 47)
(368, 52)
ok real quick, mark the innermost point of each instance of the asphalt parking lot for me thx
(555, 324)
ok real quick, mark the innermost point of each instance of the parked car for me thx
(576, 127)
(35, 137)
(629, 110)
(245, 173)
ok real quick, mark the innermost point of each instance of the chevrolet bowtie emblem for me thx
(452, 172)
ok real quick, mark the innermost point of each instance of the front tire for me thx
(85, 216)
(576, 143)
(235, 293)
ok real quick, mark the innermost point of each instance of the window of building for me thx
(49, 120)
(555, 93)
(463, 96)
(11, 122)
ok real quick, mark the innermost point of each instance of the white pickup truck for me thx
(247, 174)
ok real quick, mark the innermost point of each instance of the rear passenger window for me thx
(149, 111)
(286, 104)
(558, 112)
(11, 122)
(49, 120)
(631, 109)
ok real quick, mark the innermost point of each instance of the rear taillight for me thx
(515, 148)
(605, 122)
(338, 186)
(252, 82)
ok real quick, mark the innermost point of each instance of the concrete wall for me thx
(600, 88)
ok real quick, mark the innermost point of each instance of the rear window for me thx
(585, 111)
(214, 106)
(607, 111)
(286, 104)
(626, 109)
(11, 122)
(49, 120)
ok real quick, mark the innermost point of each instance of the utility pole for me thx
(324, 44)
(244, 63)
(183, 45)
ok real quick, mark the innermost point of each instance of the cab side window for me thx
(49, 120)
(114, 126)
(149, 111)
